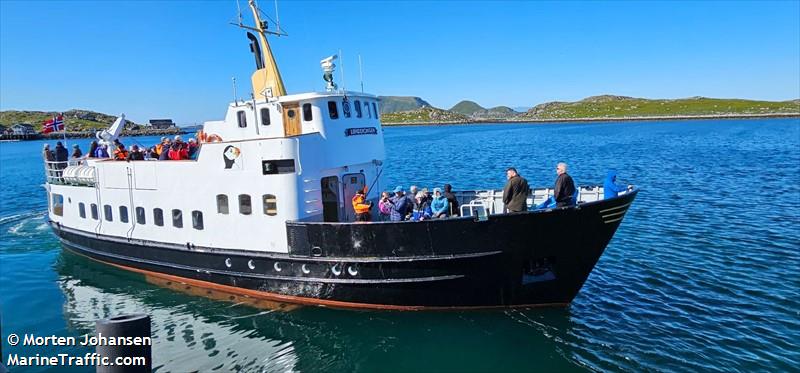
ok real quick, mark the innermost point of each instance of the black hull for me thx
(520, 259)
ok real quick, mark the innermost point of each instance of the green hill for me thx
(468, 108)
(75, 119)
(392, 104)
(423, 115)
(608, 106)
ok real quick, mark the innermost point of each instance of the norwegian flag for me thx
(56, 123)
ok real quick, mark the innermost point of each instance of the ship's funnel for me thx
(266, 79)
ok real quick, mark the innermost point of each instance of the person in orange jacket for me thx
(361, 205)
(121, 154)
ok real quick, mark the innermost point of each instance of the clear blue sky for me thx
(175, 59)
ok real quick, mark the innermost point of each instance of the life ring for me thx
(213, 138)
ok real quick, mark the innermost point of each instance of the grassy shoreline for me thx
(597, 119)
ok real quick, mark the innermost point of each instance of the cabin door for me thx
(330, 198)
(291, 120)
(350, 184)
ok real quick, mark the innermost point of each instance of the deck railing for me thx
(54, 170)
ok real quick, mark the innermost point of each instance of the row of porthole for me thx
(336, 269)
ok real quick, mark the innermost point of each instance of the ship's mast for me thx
(266, 79)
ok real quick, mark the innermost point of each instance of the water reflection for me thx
(191, 332)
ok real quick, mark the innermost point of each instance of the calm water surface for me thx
(702, 275)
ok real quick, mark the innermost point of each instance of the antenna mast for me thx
(360, 74)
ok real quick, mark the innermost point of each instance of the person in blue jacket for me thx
(422, 209)
(440, 206)
(101, 152)
(399, 205)
(610, 187)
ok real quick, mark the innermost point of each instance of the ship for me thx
(264, 212)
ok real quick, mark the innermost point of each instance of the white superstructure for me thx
(270, 160)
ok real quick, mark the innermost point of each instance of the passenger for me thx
(120, 154)
(117, 143)
(62, 155)
(47, 154)
(452, 201)
(178, 150)
(422, 209)
(163, 155)
(76, 152)
(101, 152)
(516, 191)
(384, 206)
(399, 205)
(411, 199)
(610, 187)
(565, 187)
(192, 147)
(92, 150)
(150, 154)
(160, 145)
(135, 154)
(361, 205)
(440, 206)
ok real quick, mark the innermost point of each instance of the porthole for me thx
(336, 269)
(316, 251)
(305, 269)
(290, 113)
(228, 262)
(277, 266)
(352, 270)
(250, 264)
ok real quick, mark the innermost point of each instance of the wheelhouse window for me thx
(140, 216)
(158, 217)
(222, 204)
(123, 214)
(346, 108)
(366, 108)
(82, 210)
(107, 213)
(197, 220)
(333, 110)
(357, 106)
(241, 118)
(93, 208)
(375, 110)
(177, 218)
(265, 119)
(58, 204)
(270, 204)
(307, 115)
(245, 207)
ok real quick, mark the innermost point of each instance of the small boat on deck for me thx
(264, 212)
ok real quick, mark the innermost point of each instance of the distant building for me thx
(22, 129)
(161, 124)
(3, 129)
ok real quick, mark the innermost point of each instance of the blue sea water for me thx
(703, 274)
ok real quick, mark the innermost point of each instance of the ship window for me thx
(58, 204)
(197, 220)
(278, 166)
(366, 107)
(244, 204)
(307, 115)
(333, 110)
(346, 108)
(177, 218)
(222, 204)
(270, 205)
(375, 110)
(357, 106)
(94, 211)
(265, 119)
(107, 213)
(82, 210)
(140, 216)
(241, 118)
(158, 217)
(123, 214)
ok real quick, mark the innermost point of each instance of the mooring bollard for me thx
(129, 327)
